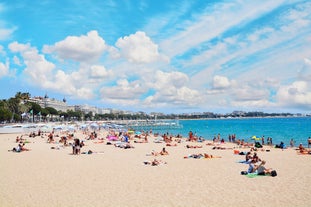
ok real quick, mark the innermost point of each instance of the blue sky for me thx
(160, 56)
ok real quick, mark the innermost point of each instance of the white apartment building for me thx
(50, 102)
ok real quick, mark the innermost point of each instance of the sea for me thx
(279, 129)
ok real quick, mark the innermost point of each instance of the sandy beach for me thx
(113, 176)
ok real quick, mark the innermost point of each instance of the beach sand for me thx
(118, 177)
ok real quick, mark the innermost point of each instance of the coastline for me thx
(118, 177)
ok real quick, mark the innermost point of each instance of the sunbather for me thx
(194, 146)
(154, 162)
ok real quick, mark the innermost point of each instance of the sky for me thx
(177, 56)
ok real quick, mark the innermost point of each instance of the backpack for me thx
(273, 173)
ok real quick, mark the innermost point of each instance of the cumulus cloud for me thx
(124, 92)
(16, 47)
(296, 94)
(84, 48)
(138, 48)
(99, 72)
(220, 82)
(171, 88)
(247, 93)
(37, 67)
(164, 80)
(78, 83)
(162, 89)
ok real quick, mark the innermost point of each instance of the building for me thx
(50, 102)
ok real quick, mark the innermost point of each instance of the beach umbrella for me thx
(70, 128)
(82, 126)
(58, 127)
(94, 126)
(256, 138)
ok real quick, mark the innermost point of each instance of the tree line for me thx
(20, 109)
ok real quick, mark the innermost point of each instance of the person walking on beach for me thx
(309, 142)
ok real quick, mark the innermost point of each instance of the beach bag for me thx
(258, 145)
(273, 173)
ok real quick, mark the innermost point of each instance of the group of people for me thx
(303, 150)
(256, 165)
(21, 145)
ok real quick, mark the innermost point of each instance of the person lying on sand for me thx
(303, 150)
(162, 152)
(124, 145)
(154, 162)
(20, 148)
(222, 148)
(89, 152)
(171, 144)
(194, 146)
(200, 155)
(145, 140)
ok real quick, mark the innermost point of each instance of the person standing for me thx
(292, 143)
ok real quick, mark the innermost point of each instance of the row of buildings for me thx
(61, 105)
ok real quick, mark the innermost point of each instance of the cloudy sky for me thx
(160, 56)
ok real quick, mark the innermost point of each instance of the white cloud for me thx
(17, 61)
(305, 72)
(85, 48)
(37, 67)
(78, 83)
(16, 47)
(124, 93)
(99, 72)
(247, 93)
(138, 48)
(220, 82)
(164, 80)
(263, 50)
(216, 21)
(6, 34)
(4, 69)
(251, 62)
(171, 89)
(296, 94)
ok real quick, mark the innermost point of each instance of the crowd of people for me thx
(123, 140)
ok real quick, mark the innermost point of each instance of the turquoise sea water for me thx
(280, 129)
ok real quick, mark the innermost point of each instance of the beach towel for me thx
(252, 175)
(304, 153)
(91, 152)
